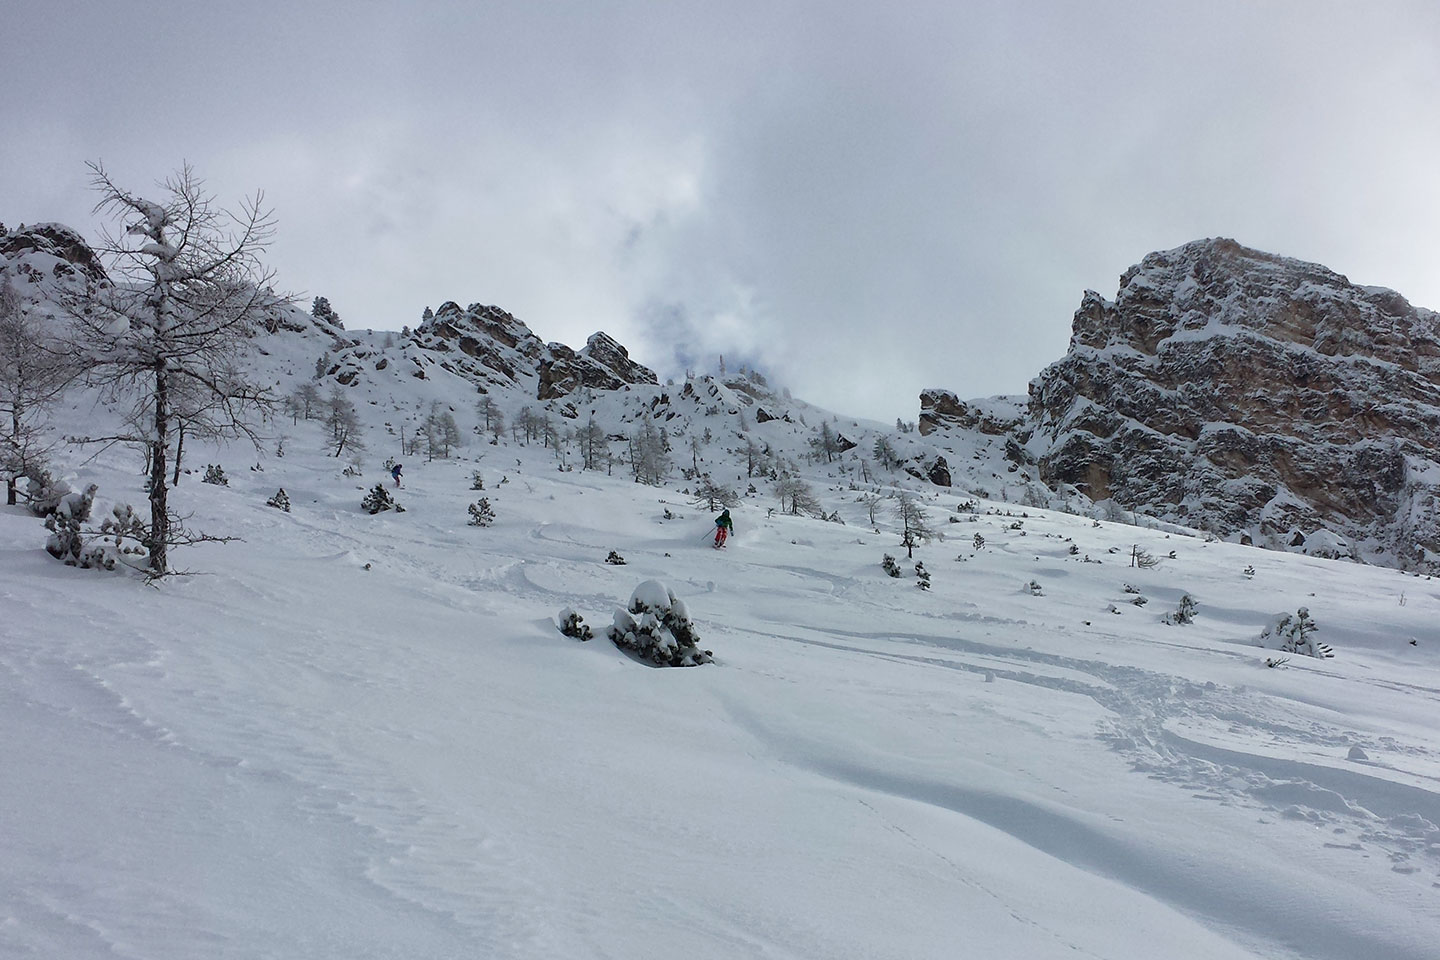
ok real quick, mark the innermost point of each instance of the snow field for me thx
(288, 754)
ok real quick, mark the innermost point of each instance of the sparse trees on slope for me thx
(170, 333)
(32, 376)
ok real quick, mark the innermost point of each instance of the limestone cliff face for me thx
(1253, 395)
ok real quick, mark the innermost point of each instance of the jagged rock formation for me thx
(62, 253)
(493, 349)
(942, 409)
(1255, 396)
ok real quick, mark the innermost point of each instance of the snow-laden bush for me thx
(1184, 613)
(477, 482)
(214, 473)
(888, 564)
(574, 625)
(614, 559)
(379, 500)
(922, 576)
(281, 501)
(656, 627)
(45, 491)
(1295, 633)
(68, 541)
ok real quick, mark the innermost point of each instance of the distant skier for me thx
(395, 472)
(724, 526)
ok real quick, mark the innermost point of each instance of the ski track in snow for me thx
(1398, 818)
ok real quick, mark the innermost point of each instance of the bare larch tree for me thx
(190, 292)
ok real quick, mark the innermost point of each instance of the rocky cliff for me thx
(1255, 396)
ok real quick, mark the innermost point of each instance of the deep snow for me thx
(365, 736)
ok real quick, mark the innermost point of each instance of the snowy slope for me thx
(364, 736)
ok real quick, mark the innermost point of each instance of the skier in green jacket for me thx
(724, 526)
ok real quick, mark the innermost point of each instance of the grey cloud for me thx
(867, 201)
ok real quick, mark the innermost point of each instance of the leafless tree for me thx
(915, 522)
(797, 497)
(168, 335)
(713, 496)
(649, 460)
(489, 410)
(594, 444)
(872, 503)
(343, 421)
(33, 374)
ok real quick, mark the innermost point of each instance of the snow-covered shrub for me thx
(77, 505)
(280, 501)
(477, 482)
(480, 513)
(67, 539)
(45, 491)
(214, 473)
(574, 625)
(1035, 589)
(64, 542)
(379, 499)
(656, 627)
(1249, 572)
(978, 542)
(615, 559)
(922, 576)
(1296, 634)
(1184, 613)
(351, 470)
(888, 564)
(1139, 600)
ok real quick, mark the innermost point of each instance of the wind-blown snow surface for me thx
(364, 736)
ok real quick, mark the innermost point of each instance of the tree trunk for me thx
(159, 515)
(179, 452)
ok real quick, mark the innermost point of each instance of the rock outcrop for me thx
(51, 248)
(942, 409)
(1252, 395)
(493, 348)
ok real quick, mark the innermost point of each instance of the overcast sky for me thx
(866, 199)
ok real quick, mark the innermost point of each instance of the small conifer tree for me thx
(481, 515)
